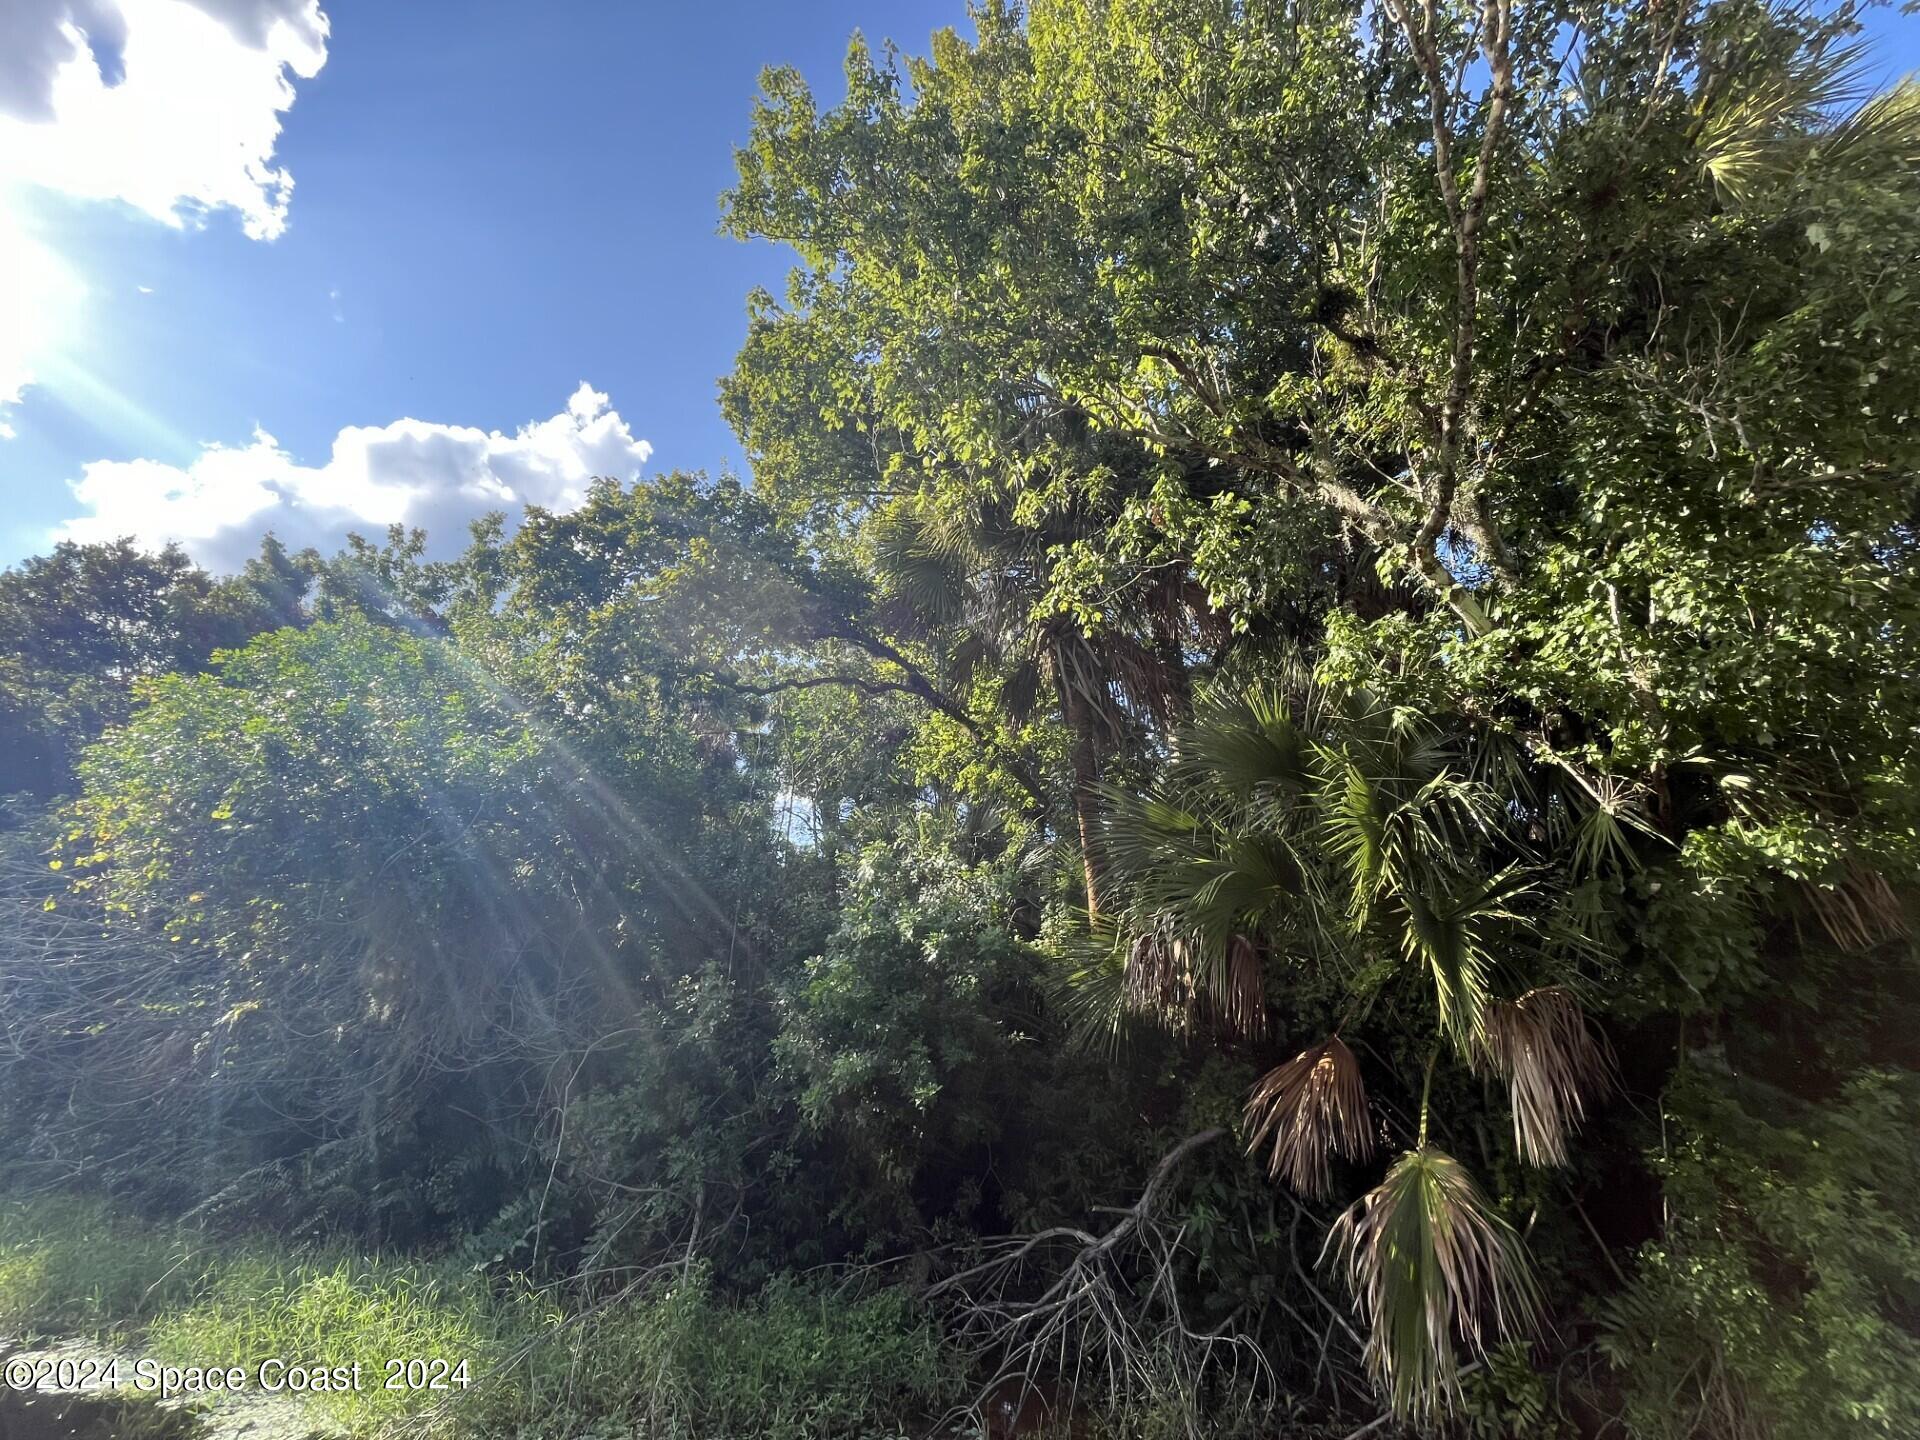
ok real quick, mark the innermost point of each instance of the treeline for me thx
(1292, 792)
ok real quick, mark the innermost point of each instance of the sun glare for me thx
(40, 302)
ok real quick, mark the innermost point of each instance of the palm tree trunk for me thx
(1083, 755)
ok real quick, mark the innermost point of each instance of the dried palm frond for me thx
(1553, 1062)
(1142, 675)
(1020, 691)
(1083, 678)
(1428, 1259)
(1862, 911)
(966, 657)
(1160, 976)
(1243, 1007)
(1311, 1106)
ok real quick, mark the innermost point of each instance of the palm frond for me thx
(1020, 691)
(1186, 870)
(1160, 979)
(1882, 134)
(1148, 839)
(966, 657)
(1246, 744)
(1242, 1008)
(1766, 118)
(1554, 1064)
(1428, 1260)
(1603, 836)
(1311, 1107)
(1355, 829)
(930, 577)
(1752, 124)
(1252, 877)
(1452, 935)
(1444, 945)
(1088, 985)
(1860, 911)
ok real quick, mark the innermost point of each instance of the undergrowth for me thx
(671, 1359)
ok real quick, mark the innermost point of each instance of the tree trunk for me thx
(1084, 757)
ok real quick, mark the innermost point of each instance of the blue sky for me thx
(492, 203)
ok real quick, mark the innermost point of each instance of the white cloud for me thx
(172, 106)
(411, 472)
(37, 37)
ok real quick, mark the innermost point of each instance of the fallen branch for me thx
(1112, 1309)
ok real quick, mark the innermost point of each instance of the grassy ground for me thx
(669, 1361)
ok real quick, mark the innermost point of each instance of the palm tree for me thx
(1307, 828)
(973, 579)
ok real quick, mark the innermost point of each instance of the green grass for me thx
(673, 1361)
(338, 1312)
(70, 1267)
(792, 1365)
(67, 1266)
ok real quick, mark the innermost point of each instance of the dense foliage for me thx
(1328, 580)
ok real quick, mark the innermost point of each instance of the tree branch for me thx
(1467, 217)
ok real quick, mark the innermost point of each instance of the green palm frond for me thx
(1395, 815)
(1249, 880)
(1153, 843)
(1429, 1260)
(1882, 134)
(1247, 745)
(1355, 830)
(1088, 984)
(1185, 864)
(1442, 944)
(1453, 937)
(1762, 117)
(1604, 834)
(930, 577)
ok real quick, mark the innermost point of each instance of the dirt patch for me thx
(68, 1393)
(95, 1416)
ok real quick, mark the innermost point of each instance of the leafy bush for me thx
(1784, 1294)
(904, 1038)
